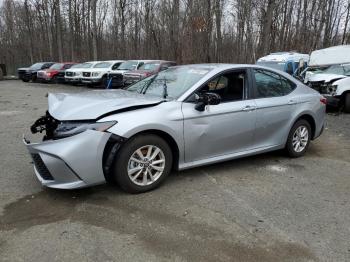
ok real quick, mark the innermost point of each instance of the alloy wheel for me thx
(146, 165)
(300, 139)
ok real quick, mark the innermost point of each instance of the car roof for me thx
(144, 61)
(158, 61)
(284, 57)
(113, 61)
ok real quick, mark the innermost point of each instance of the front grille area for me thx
(41, 167)
(318, 86)
(117, 77)
(86, 74)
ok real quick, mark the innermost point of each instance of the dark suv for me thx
(30, 73)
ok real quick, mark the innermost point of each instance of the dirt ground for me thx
(261, 208)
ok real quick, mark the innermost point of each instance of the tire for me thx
(104, 82)
(54, 80)
(347, 103)
(294, 138)
(125, 164)
(26, 80)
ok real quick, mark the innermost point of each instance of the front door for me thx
(220, 129)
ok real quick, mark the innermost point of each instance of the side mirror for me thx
(206, 99)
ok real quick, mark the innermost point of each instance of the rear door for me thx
(275, 103)
(220, 129)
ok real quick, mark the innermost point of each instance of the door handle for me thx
(248, 108)
(292, 102)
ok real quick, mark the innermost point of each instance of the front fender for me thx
(343, 86)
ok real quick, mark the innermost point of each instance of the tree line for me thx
(187, 31)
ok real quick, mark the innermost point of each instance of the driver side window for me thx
(229, 86)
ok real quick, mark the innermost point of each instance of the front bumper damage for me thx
(72, 162)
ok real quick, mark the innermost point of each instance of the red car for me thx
(51, 74)
(147, 69)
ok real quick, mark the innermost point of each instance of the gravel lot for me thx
(263, 208)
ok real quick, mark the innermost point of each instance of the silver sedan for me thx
(183, 117)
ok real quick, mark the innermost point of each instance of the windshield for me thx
(177, 80)
(338, 70)
(37, 66)
(86, 65)
(103, 65)
(274, 65)
(56, 66)
(149, 67)
(128, 65)
(76, 66)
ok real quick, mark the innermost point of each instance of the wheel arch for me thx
(169, 139)
(310, 119)
(115, 144)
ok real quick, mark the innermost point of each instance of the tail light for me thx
(323, 101)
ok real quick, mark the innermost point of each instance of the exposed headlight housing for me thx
(66, 129)
(332, 89)
(96, 73)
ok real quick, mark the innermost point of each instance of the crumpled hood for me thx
(324, 77)
(93, 104)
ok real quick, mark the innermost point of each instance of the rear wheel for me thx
(299, 139)
(347, 103)
(143, 164)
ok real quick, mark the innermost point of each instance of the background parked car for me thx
(334, 84)
(51, 74)
(290, 62)
(30, 74)
(117, 77)
(147, 69)
(97, 75)
(74, 74)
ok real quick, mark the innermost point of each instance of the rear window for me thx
(269, 84)
(149, 67)
(128, 65)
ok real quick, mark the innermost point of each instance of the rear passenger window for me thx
(269, 84)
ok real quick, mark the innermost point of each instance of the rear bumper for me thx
(332, 100)
(70, 163)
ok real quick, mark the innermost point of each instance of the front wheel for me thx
(299, 139)
(347, 103)
(54, 80)
(143, 164)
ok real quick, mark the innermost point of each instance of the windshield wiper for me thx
(165, 89)
(147, 85)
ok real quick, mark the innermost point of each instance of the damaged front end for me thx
(72, 153)
(45, 123)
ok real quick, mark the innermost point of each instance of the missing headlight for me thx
(45, 123)
(66, 129)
